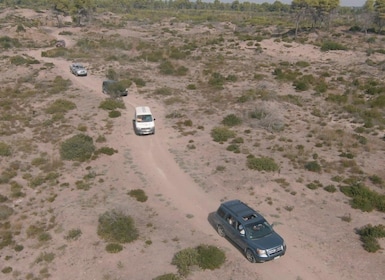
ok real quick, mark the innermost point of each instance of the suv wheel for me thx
(221, 231)
(250, 256)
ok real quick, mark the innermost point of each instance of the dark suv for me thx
(249, 231)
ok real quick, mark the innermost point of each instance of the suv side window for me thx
(221, 212)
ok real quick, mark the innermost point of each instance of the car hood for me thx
(144, 124)
(269, 241)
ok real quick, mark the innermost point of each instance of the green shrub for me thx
(231, 120)
(369, 236)
(73, 234)
(6, 238)
(166, 68)
(313, 166)
(217, 80)
(106, 150)
(332, 46)
(377, 180)
(314, 185)
(111, 104)
(164, 91)
(222, 134)
(5, 149)
(45, 257)
(139, 194)
(117, 227)
(168, 276)
(234, 148)
(185, 259)
(205, 256)
(363, 198)
(114, 248)
(20, 60)
(191, 87)
(5, 212)
(114, 114)
(210, 257)
(60, 106)
(7, 269)
(57, 52)
(330, 188)
(79, 148)
(261, 164)
(8, 42)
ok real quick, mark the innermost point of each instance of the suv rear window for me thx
(221, 212)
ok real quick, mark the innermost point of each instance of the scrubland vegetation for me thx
(253, 116)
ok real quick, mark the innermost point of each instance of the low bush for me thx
(111, 104)
(313, 166)
(139, 194)
(73, 234)
(117, 227)
(363, 198)
(5, 212)
(314, 185)
(369, 236)
(114, 114)
(185, 259)
(222, 134)
(5, 149)
(114, 248)
(261, 164)
(106, 150)
(234, 148)
(210, 257)
(204, 256)
(332, 46)
(60, 106)
(79, 148)
(231, 120)
(168, 276)
(330, 188)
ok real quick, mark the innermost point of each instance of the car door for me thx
(239, 236)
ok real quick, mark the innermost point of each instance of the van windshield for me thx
(144, 118)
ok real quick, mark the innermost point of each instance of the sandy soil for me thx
(183, 187)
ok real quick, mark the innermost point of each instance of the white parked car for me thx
(78, 69)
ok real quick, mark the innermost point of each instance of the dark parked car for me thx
(248, 230)
(114, 88)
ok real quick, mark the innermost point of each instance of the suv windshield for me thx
(258, 230)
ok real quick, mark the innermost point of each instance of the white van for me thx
(144, 122)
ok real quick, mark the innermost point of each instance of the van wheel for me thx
(250, 256)
(221, 231)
